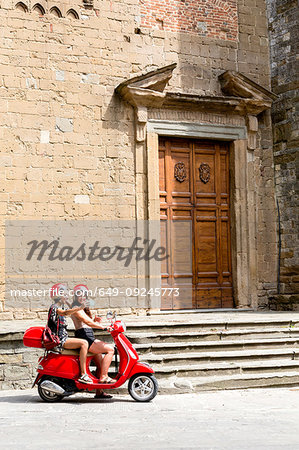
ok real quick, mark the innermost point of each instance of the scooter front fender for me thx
(38, 377)
(141, 367)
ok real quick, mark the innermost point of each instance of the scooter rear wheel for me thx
(143, 387)
(48, 396)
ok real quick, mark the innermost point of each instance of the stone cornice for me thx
(221, 104)
(242, 96)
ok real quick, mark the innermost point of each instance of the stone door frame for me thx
(230, 117)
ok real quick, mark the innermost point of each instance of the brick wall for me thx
(209, 18)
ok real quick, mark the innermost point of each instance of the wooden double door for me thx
(195, 224)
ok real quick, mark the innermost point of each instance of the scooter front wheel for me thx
(143, 387)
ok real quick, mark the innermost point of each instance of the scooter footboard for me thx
(141, 367)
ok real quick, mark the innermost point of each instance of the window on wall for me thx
(38, 9)
(21, 7)
(71, 14)
(55, 12)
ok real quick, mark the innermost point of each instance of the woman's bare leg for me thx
(72, 343)
(98, 359)
(102, 347)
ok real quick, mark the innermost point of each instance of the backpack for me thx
(50, 339)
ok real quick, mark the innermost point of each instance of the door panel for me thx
(195, 228)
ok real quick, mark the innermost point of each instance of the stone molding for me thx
(179, 115)
(197, 130)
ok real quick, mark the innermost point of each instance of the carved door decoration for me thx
(204, 172)
(195, 227)
(180, 173)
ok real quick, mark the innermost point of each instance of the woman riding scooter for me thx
(58, 293)
(84, 325)
(58, 373)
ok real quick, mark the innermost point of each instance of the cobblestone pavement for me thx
(236, 419)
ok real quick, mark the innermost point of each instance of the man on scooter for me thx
(84, 325)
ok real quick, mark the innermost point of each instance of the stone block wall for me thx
(283, 31)
(67, 141)
(17, 363)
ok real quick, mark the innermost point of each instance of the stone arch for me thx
(223, 5)
(72, 14)
(20, 6)
(38, 8)
(55, 11)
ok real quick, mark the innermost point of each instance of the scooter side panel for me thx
(60, 366)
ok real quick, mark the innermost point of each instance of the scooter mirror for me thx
(109, 315)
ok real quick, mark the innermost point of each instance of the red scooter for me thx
(58, 373)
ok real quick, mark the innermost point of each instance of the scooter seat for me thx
(75, 351)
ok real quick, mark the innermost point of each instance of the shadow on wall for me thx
(207, 33)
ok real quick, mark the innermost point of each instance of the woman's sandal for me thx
(107, 380)
(85, 379)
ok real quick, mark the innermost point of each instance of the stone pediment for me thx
(241, 95)
(238, 85)
(253, 97)
(146, 89)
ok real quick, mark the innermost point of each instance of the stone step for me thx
(180, 385)
(146, 327)
(222, 368)
(225, 368)
(238, 355)
(173, 312)
(211, 335)
(204, 346)
(179, 328)
(241, 381)
(226, 321)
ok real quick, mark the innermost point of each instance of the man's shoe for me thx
(103, 396)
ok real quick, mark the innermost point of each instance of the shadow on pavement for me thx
(34, 398)
(19, 398)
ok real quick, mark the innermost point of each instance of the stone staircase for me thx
(233, 350)
(189, 351)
